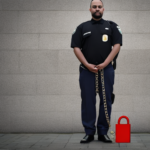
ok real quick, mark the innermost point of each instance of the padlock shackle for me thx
(123, 117)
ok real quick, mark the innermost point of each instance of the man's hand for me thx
(101, 66)
(92, 68)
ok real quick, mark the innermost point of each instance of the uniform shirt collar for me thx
(99, 21)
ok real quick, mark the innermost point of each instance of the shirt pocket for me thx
(106, 35)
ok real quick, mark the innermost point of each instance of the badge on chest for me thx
(105, 38)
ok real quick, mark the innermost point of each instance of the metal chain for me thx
(103, 92)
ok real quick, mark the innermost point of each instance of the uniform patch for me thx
(119, 29)
(105, 38)
(74, 31)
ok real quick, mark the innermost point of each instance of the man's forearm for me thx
(113, 53)
(80, 56)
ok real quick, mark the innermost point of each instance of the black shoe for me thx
(87, 139)
(104, 138)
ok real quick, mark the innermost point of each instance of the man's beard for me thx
(97, 17)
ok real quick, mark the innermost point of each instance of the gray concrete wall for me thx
(39, 73)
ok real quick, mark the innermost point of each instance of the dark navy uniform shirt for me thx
(96, 38)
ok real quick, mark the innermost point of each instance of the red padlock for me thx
(123, 131)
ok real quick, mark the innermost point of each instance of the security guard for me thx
(92, 42)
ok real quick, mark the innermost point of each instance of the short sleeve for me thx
(116, 34)
(76, 40)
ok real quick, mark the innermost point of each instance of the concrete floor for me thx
(58, 141)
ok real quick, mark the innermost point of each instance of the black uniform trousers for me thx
(88, 95)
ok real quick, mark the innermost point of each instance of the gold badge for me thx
(105, 38)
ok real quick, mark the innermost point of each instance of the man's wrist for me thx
(105, 63)
(86, 65)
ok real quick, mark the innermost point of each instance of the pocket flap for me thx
(104, 31)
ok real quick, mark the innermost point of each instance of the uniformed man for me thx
(96, 43)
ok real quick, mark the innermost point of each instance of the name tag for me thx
(86, 33)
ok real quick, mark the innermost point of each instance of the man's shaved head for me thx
(96, 9)
(96, 0)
